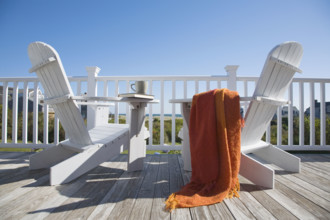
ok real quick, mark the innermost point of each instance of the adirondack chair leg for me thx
(83, 162)
(137, 146)
(256, 172)
(280, 158)
(49, 157)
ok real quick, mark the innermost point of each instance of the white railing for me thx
(25, 126)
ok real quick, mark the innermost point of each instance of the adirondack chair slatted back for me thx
(49, 69)
(277, 74)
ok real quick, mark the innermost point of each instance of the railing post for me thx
(92, 72)
(231, 73)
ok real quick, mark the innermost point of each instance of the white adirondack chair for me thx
(281, 64)
(84, 149)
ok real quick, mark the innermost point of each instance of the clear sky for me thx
(164, 37)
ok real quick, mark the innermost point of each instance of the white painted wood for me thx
(92, 114)
(35, 113)
(273, 83)
(185, 109)
(322, 115)
(290, 116)
(4, 112)
(256, 172)
(116, 105)
(268, 97)
(279, 126)
(173, 112)
(150, 134)
(56, 130)
(82, 162)
(196, 86)
(128, 110)
(82, 82)
(301, 115)
(276, 77)
(49, 157)
(137, 146)
(15, 116)
(94, 147)
(231, 72)
(312, 114)
(25, 113)
(161, 113)
(280, 158)
(45, 135)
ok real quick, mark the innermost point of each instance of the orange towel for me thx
(215, 132)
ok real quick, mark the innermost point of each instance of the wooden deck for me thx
(109, 192)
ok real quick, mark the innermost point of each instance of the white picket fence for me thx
(301, 93)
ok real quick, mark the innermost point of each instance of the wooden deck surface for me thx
(109, 192)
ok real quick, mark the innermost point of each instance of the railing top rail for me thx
(19, 79)
(165, 78)
(314, 80)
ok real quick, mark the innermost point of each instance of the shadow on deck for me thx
(108, 191)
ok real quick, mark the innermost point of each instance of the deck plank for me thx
(270, 204)
(143, 208)
(124, 207)
(254, 206)
(162, 190)
(125, 188)
(95, 188)
(109, 191)
(317, 211)
(176, 182)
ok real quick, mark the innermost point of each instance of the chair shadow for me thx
(104, 185)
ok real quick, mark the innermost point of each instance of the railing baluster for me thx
(116, 104)
(196, 86)
(127, 105)
(25, 113)
(219, 84)
(79, 91)
(290, 116)
(279, 126)
(15, 116)
(245, 94)
(162, 112)
(312, 114)
(150, 115)
(173, 112)
(322, 115)
(185, 89)
(56, 130)
(45, 137)
(301, 115)
(35, 113)
(207, 85)
(4, 112)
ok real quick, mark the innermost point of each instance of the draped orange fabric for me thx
(215, 132)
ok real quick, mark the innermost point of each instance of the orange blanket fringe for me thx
(215, 142)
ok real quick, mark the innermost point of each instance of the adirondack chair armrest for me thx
(246, 98)
(81, 100)
(271, 101)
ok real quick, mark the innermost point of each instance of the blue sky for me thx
(164, 37)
